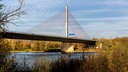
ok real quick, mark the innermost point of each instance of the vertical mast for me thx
(66, 21)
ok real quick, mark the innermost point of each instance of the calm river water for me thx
(30, 58)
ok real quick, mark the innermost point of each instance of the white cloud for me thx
(44, 4)
(123, 10)
(117, 2)
(116, 19)
(101, 12)
(107, 34)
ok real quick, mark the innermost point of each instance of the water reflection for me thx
(31, 57)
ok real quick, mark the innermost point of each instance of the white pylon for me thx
(66, 21)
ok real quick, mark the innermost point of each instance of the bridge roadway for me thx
(25, 36)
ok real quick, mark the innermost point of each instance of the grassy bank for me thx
(45, 50)
(25, 51)
(88, 50)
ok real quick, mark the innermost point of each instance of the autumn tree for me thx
(7, 17)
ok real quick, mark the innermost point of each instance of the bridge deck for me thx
(12, 35)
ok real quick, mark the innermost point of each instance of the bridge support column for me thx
(68, 47)
(101, 45)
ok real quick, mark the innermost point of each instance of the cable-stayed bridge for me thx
(61, 23)
(55, 25)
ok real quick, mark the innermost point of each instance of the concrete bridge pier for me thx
(68, 47)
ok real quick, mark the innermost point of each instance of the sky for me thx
(99, 18)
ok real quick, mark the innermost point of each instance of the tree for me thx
(8, 17)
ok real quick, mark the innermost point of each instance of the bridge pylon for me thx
(67, 47)
(67, 21)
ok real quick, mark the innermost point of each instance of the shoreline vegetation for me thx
(15, 45)
(112, 58)
(59, 50)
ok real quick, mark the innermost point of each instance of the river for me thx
(30, 58)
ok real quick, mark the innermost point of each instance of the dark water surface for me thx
(30, 58)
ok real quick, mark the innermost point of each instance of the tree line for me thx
(112, 43)
(27, 45)
(32, 45)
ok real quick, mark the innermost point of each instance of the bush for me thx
(4, 63)
(65, 64)
(118, 60)
(111, 61)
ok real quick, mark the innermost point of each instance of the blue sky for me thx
(99, 18)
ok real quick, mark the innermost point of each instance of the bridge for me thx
(14, 35)
(68, 42)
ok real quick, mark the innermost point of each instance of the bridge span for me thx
(25, 36)
(69, 44)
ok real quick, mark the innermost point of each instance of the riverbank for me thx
(59, 50)
(75, 62)
(26, 51)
